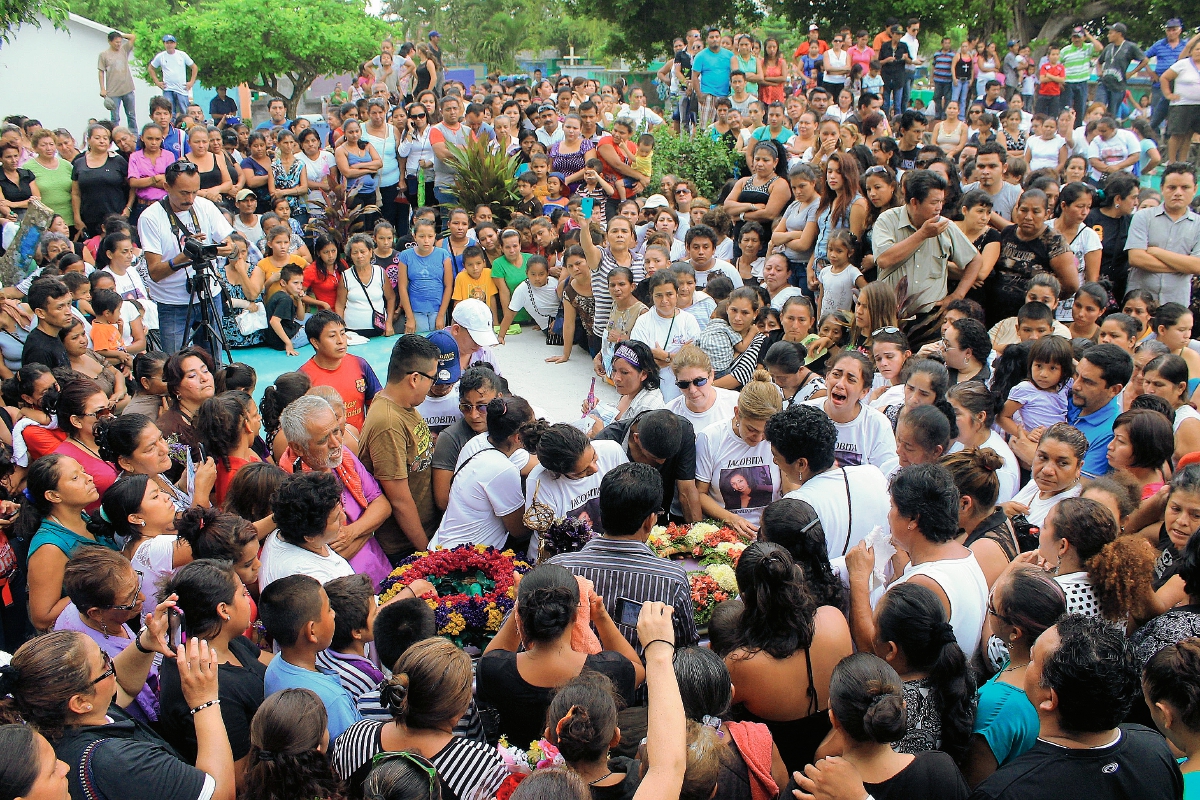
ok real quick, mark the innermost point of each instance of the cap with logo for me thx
(1077, 30)
(477, 319)
(168, 38)
(448, 368)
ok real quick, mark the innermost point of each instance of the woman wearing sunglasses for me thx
(417, 152)
(81, 405)
(700, 401)
(106, 594)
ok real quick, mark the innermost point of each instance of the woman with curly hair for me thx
(783, 639)
(519, 685)
(288, 752)
(308, 512)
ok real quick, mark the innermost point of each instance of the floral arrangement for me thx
(475, 589)
(712, 585)
(565, 535)
(177, 451)
(521, 763)
(717, 548)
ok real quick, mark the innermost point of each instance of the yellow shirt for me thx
(269, 270)
(468, 288)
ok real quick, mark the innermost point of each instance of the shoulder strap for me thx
(472, 457)
(366, 293)
(850, 510)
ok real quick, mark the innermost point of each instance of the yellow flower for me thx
(495, 618)
(454, 625)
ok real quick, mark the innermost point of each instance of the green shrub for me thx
(699, 159)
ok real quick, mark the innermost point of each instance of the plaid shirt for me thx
(717, 341)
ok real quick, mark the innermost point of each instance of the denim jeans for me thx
(426, 322)
(893, 99)
(962, 96)
(1075, 95)
(1161, 106)
(942, 93)
(179, 102)
(445, 196)
(172, 326)
(1111, 97)
(125, 100)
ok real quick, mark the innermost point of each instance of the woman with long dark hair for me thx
(794, 524)
(81, 406)
(227, 426)
(138, 447)
(288, 752)
(783, 639)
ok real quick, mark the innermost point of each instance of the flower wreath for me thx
(474, 585)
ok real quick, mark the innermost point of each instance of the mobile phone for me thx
(176, 628)
(586, 205)
(198, 454)
(628, 611)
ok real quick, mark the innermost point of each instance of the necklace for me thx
(78, 443)
(1015, 667)
(603, 777)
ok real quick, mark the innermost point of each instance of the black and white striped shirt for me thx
(466, 768)
(630, 569)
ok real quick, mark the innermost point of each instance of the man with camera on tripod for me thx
(164, 227)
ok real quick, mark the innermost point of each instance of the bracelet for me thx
(137, 642)
(646, 646)
(203, 706)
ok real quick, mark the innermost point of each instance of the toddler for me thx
(1041, 400)
(556, 193)
(529, 205)
(833, 332)
(108, 338)
(840, 278)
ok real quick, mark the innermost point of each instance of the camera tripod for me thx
(203, 324)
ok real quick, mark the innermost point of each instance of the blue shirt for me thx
(267, 124)
(1006, 720)
(339, 705)
(426, 279)
(1098, 428)
(714, 71)
(1166, 54)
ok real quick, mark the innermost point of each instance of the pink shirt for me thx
(862, 56)
(140, 166)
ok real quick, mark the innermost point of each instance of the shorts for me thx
(1183, 120)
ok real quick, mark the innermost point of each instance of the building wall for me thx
(50, 75)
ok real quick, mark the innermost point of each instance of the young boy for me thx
(296, 613)
(595, 187)
(330, 365)
(81, 298)
(108, 334)
(475, 281)
(354, 610)
(873, 81)
(529, 205)
(1051, 78)
(285, 312)
(537, 295)
(1038, 291)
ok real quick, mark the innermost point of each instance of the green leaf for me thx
(698, 158)
(484, 176)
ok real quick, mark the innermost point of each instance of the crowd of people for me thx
(944, 381)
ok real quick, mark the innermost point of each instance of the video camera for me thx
(197, 250)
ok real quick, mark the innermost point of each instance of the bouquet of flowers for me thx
(565, 535)
(710, 586)
(679, 539)
(721, 547)
(475, 589)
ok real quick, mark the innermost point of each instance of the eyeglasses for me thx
(974, 111)
(478, 408)
(422, 374)
(136, 602)
(418, 761)
(991, 609)
(946, 344)
(885, 329)
(109, 669)
(100, 413)
(685, 385)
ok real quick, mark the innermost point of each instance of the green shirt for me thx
(55, 186)
(513, 277)
(1078, 61)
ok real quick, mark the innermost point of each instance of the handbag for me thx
(378, 321)
(249, 322)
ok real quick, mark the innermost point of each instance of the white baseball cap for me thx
(475, 317)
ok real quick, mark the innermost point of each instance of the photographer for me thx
(163, 227)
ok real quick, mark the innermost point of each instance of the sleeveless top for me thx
(948, 140)
(363, 184)
(798, 739)
(422, 73)
(996, 528)
(358, 314)
(965, 586)
(585, 306)
(749, 66)
(386, 147)
(771, 93)
(755, 193)
(962, 71)
(212, 178)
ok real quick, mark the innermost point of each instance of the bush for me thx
(699, 159)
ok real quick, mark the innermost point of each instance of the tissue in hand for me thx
(881, 542)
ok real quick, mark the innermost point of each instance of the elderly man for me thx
(315, 445)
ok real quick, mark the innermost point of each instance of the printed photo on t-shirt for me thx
(746, 488)
(589, 512)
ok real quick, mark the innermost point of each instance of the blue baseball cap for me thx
(448, 369)
(433, 34)
(168, 38)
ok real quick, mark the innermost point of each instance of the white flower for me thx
(724, 575)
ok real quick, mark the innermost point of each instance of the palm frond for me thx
(484, 176)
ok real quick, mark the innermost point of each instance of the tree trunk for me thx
(1055, 24)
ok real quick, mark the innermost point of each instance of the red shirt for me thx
(625, 152)
(225, 477)
(1050, 88)
(805, 48)
(324, 290)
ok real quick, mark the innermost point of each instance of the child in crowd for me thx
(556, 193)
(277, 255)
(837, 281)
(475, 281)
(537, 295)
(288, 752)
(1043, 289)
(767, 319)
(833, 332)
(655, 258)
(354, 608)
(626, 310)
(529, 205)
(108, 329)
(297, 615)
(385, 256)
(285, 312)
(665, 329)
(1041, 399)
(81, 293)
(1090, 302)
(873, 81)
(539, 165)
(1121, 330)
(598, 189)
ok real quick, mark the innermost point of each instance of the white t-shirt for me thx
(719, 267)
(281, 559)
(157, 237)
(1044, 153)
(1010, 474)
(580, 497)
(1112, 151)
(837, 289)
(1187, 84)
(131, 287)
(666, 334)
(720, 411)
(316, 169)
(154, 560)
(724, 252)
(486, 488)
(173, 69)
(866, 439)
(541, 303)
(868, 504)
(785, 294)
(440, 413)
(1083, 242)
(643, 118)
(741, 477)
(1039, 508)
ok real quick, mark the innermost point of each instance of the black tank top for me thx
(212, 178)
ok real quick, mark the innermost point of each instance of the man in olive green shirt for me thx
(116, 79)
(396, 447)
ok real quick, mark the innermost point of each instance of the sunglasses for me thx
(417, 116)
(100, 413)
(478, 408)
(876, 170)
(420, 762)
(186, 167)
(886, 329)
(684, 190)
(109, 669)
(432, 378)
(991, 609)
(685, 385)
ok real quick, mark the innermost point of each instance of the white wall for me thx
(50, 75)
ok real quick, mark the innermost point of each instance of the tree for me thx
(15, 13)
(491, 31)
(643, 29)
(257, 43)
(123, 15)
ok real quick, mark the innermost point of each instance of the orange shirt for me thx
(106, 336)
(353, 379)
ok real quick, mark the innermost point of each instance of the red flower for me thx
(509, 785)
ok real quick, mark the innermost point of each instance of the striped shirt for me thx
(469, 727)
(358, 675)
(604, 302)
(466, 768)
(942, 60)
(629, 568)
